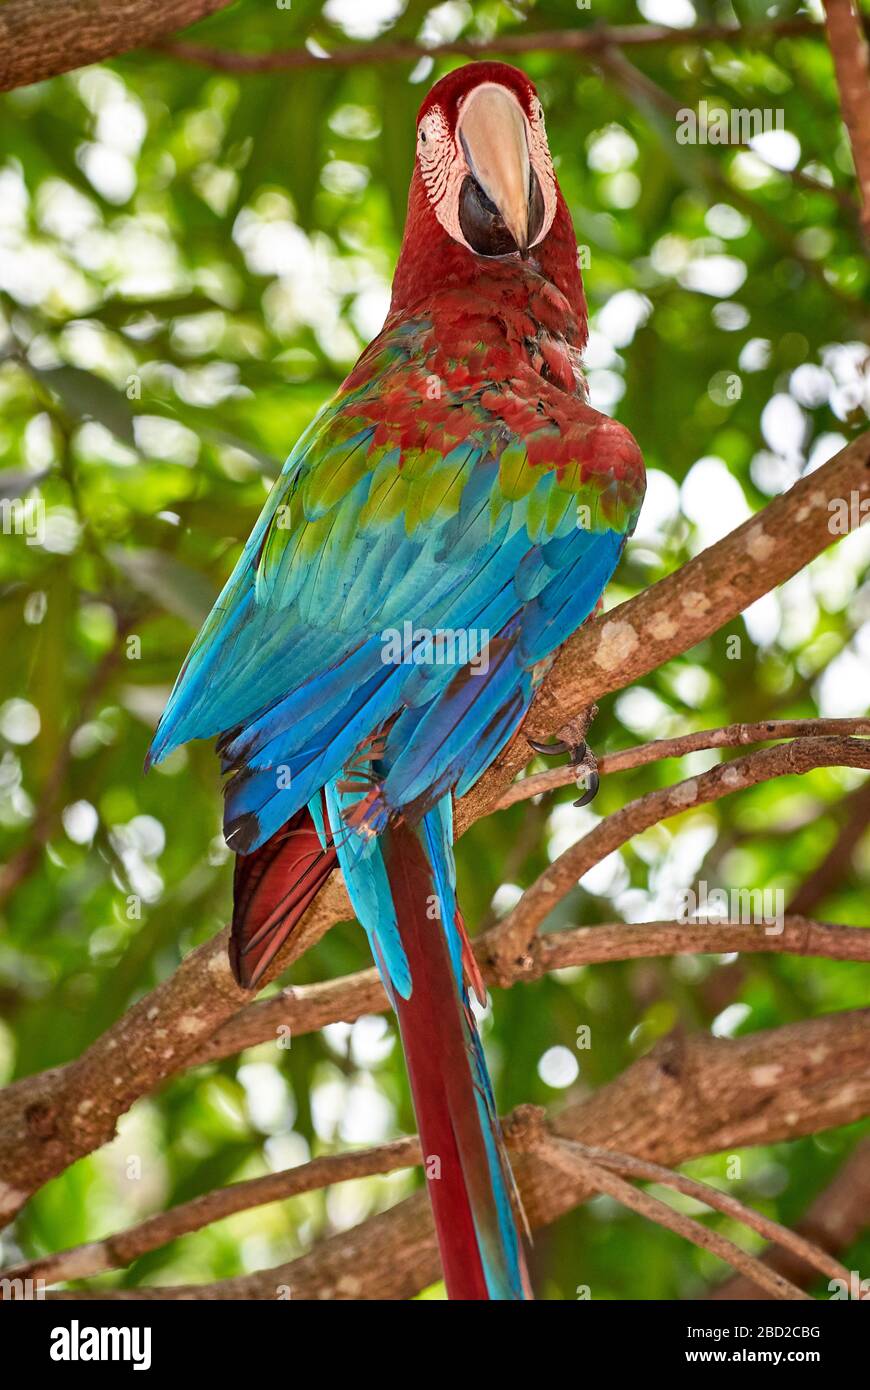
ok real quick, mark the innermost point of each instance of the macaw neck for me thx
(431, 262)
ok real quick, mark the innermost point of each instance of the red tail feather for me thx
(272, 888)
(435, 1053)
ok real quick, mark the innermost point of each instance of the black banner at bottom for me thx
(65, 1337)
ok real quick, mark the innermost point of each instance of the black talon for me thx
(548, 750)
(591, 791)
(577, 753)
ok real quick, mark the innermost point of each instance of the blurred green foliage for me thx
(190, 261)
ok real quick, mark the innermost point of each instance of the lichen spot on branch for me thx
(760, 546)
(696, 603)
(616, 643)
(662, 627)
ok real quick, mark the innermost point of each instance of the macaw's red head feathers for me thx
(483, 157)
(484, 188)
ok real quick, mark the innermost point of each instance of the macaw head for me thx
(484, 162)
(484, 201)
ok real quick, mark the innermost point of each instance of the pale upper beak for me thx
(492, 130)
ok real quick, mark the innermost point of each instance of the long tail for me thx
(402, 886)
(467, 1172)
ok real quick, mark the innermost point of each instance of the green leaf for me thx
(89, 397)
(174, 585)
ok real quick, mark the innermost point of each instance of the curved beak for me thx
(493, 134)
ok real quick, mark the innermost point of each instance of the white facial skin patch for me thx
(503, 143)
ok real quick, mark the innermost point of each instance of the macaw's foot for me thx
(571, 739)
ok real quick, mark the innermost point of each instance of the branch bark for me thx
(579, 42)
(849, 50)
(512, 938)
(729, 736)
(41, 38)
(834, 1220)
(688, 1096)
(306, 1008)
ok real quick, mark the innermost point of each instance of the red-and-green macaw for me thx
(442, 526)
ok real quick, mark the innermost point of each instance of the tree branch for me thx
(688, 1096)
(849, 50)
(571, 1159)
(41, 38)
(729, 736)
(121, 1249)
(511, 939)
(579, 42)
(304, 1009)
(834, 1220)
(803, 1251)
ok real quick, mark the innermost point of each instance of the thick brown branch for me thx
(513, 936)
(306, 1008)
(849, 49)
(689, 1096)
(40, 38)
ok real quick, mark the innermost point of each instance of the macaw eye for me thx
(422, 137)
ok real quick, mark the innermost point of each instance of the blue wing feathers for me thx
(290, 669)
